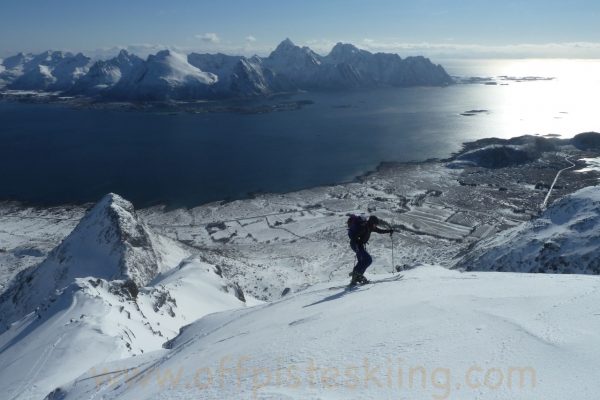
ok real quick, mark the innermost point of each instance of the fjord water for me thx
(51, 154)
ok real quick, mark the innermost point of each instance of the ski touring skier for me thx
(359, 232)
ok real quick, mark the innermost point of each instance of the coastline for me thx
(268, 104)
(383, 167)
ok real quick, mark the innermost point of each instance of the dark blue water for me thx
(51, 154)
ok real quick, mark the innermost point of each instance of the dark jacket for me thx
(359, 231)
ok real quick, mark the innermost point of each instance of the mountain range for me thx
(170, 75)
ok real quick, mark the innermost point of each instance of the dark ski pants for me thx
(364, 258)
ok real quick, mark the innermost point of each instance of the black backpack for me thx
(357, 228)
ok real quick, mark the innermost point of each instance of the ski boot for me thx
(355, 278)
(358, 278)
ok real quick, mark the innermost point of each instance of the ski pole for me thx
(392, 240)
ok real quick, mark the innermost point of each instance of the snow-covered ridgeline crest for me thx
(110, 242)
(172, 75)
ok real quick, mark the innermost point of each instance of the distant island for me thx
(170, 75)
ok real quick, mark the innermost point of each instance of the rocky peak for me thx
(110, 242)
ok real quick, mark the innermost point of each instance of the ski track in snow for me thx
(40, 363)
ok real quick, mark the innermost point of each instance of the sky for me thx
(436, 28)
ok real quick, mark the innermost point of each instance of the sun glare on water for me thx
(541, 96)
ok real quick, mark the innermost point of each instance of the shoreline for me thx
(277, 102)
(379, 169)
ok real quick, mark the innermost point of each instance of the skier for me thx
(359, 231)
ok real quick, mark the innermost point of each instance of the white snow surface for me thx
(564, 239)
(178, 70)
(94, 321)
(431, 333)
(167, 74)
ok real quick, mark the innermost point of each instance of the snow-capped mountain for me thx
(564, 239)
(222, 65)
(389, 69)
(111, 289)
(103, 75)
(171, 75)
(17, 61)
(240, 76)
(51, 70)
(299, 64)
(251, 78)
(166, 75)
(346, 66)
(13, 67)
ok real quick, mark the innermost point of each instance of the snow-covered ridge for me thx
(172, 75)
(112, 289)
(105, 74)
(50, 70)
(110, 242)
(564, 239)
(166, 74)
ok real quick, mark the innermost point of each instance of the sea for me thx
(53, 154)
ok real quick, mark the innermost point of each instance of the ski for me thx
(358, 285)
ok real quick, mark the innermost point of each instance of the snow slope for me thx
(50, 70)
(564, 239)
(434, 333)
(94, 321)
(105, 74)
(112, 283)
(166, 75)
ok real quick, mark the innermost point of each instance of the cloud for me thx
(140, 49)
(250, 39)
(209, 37)
(450, 49)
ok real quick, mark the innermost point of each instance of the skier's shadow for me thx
(336, 296)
